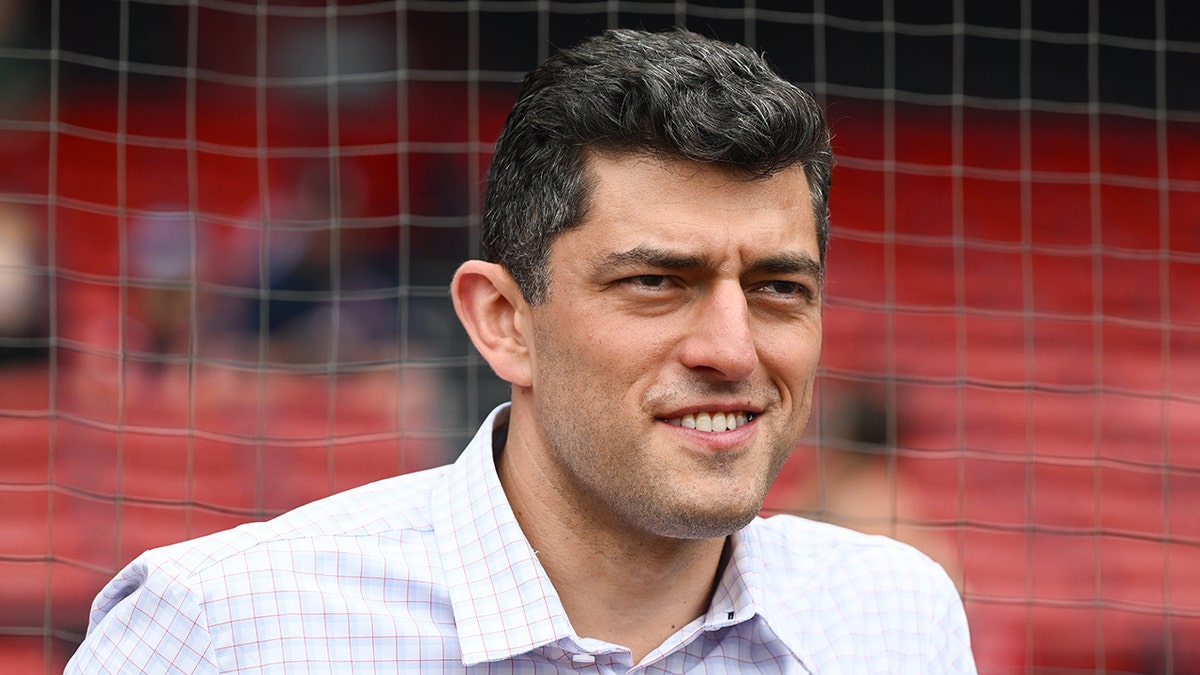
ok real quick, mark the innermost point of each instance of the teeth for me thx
(715, 422)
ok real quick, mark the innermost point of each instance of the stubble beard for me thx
(639, 491)
(612, 478)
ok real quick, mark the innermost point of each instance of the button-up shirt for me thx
(430, 572)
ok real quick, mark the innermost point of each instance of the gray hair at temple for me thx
(674, 95)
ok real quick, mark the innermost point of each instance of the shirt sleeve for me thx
(145, 621)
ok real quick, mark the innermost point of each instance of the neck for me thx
(625, 587)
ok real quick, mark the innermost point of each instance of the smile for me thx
(715, 422)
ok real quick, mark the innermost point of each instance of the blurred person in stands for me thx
(23, 309)
(861, 483)
(654, 239)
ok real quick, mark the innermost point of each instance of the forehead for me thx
(638, 200)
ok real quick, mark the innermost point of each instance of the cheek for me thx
(612, 347)
(579, 359)
(792, 367)
(793, 356)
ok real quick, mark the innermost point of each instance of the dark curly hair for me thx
(675, 94)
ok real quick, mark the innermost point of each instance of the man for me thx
(655, 236)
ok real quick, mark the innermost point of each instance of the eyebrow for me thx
(791, 263)
(648, 256)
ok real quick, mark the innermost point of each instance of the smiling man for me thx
(654, 243)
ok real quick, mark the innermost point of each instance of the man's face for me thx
(688, 298)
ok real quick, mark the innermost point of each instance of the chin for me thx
(697, 524)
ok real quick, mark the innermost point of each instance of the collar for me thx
(503, 601)
(742, 594)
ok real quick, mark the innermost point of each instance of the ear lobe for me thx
(494, 313)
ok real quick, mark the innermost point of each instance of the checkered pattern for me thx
(430, 572)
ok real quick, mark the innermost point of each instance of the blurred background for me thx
(227, 229)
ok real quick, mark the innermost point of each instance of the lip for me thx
(712, 407)
(708, 441)
(724, 441)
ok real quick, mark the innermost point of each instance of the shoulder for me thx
(864, 598)
(849, 568)
(388, 520)
(297, 574)
(792, 540)
(386, 508)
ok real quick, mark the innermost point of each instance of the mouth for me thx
(714, 422)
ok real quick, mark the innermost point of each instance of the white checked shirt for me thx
(430, 572)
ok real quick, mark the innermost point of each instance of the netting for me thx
(227, 229)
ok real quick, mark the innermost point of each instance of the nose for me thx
(719, 339)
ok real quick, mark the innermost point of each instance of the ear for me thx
(496, 316)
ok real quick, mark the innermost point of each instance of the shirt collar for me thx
(503, 601)
(742, 594)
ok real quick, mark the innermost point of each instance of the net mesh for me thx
(227, 229)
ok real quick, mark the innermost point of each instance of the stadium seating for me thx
(1040, 359)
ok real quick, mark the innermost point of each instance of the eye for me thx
(787, 288)
(648, 280)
